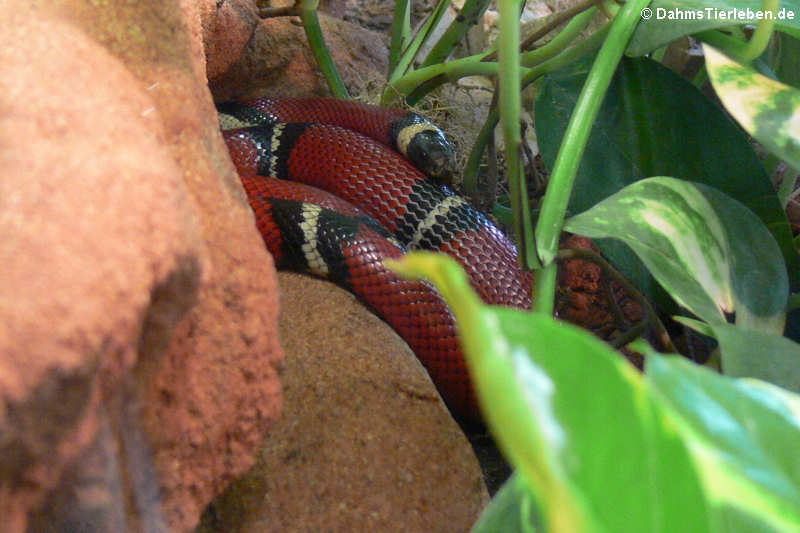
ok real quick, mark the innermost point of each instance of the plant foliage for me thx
(672, 185)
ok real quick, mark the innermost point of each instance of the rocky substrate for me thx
(365, 443)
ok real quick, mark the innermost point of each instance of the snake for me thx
(337, 186)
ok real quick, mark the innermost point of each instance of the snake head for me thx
(433, 154)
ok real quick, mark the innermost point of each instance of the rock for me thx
(365, 442)
(377, 14)
(227, 28)
(583, 296)
(278, 61)
(80, 255)
(137, 295)
(96, 223)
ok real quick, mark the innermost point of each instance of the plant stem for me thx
(567, 56)
(470, 174)
(509, 103)
(554, 203)
(760, 39)
(450, 71)
(701, 77)
(733, 47)
(401, 28)
(551, 24)
(469, 15)
(419, 83)
(544, 289)
(564, 38)
(410, 52)
(308, 15)
(626, 337)
(283, 11)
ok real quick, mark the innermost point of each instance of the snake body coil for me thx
(377, 205)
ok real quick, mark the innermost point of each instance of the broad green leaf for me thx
(572, 416)
(512, 510)
(700, 15)
(759, 277)
(767, 109)
(654, 123)
(783, 58)
(754, 354)
(709, 252)
(743, 435)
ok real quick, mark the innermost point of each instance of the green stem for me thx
(701, 77)
(308, 15)
(554, 203)
(760, 39)
(732, 47)
(545, 289)
(401, 29)
(419, 83)
(554, 21)
(570, 55)
(564, 38)
(564, 58)
(557, 19)
(509, 102)
(469, 16)
(408, 55)
(502, 214)
(450, 71)
(470, 175)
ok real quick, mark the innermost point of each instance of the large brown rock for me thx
(365, 442)
(227, 28)
(94, 226)
(136, 293)
(278, 61)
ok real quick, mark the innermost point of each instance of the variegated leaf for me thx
(712, 254)
(754, 354)
(767, 109)
(743, 436)
(561, 404)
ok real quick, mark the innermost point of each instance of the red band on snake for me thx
(396, 208)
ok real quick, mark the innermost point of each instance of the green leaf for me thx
(782, 58)
(654, 123)
(743, 435)
(572, 416)
(767, 109)
(755, 354)
(663, 27)
(759, 277)
(711, 253)
(512, 510)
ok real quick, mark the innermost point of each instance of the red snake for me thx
(377, 205)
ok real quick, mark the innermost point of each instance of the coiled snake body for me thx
(377, 205)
